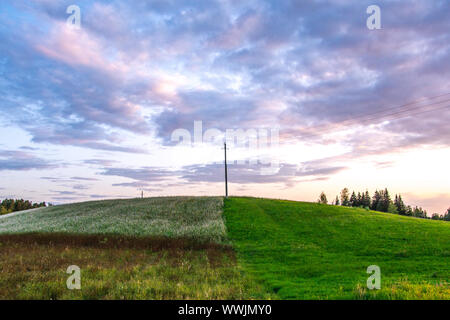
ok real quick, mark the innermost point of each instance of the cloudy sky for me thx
(96, 112)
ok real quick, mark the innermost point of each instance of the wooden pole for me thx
(226, 171)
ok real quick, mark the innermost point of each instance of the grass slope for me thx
(311, 251)
(179, 248)
(154, 248)
(193, 217)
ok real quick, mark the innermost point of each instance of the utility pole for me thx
(226, 170)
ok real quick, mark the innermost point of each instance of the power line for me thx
(394, 108)
(385, 117)
(406, 111)
(414, 114)
(395, 113)
(399, 107)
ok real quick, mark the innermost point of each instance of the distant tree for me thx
(381, 201)
(401, 208)
(366, 202)
(8, 204)
(392, 208)
(353, 200)
(359, 199)
(322, 198)
(436, 216)
(336, 201)
(385, 200)
(3, 210)
(419, 212)
(375, 200)
(12, 205)
(345, 201)
(446, 216)
(409, 211)
(424, 213)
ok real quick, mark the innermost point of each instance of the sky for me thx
(142, 95)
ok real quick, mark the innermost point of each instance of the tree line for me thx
(381, 201)
(12, 205)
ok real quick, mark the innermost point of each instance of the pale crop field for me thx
(199, 218)
(153, 248)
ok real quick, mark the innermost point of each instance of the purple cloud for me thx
(135, 72)
(290, 64)
(19, 160)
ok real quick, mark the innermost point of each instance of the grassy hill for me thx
(193, 217)
(210, 248)
(153, 248)
(312, 251)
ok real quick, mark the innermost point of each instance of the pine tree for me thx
(359, 200)
(382, 200)
(344, 197)
(386, 200)
(401, 208)
(375, 200)
(353, 200)
(367, 202)
(336, 201)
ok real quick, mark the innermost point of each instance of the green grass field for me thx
(208, 248)
(312, 251)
